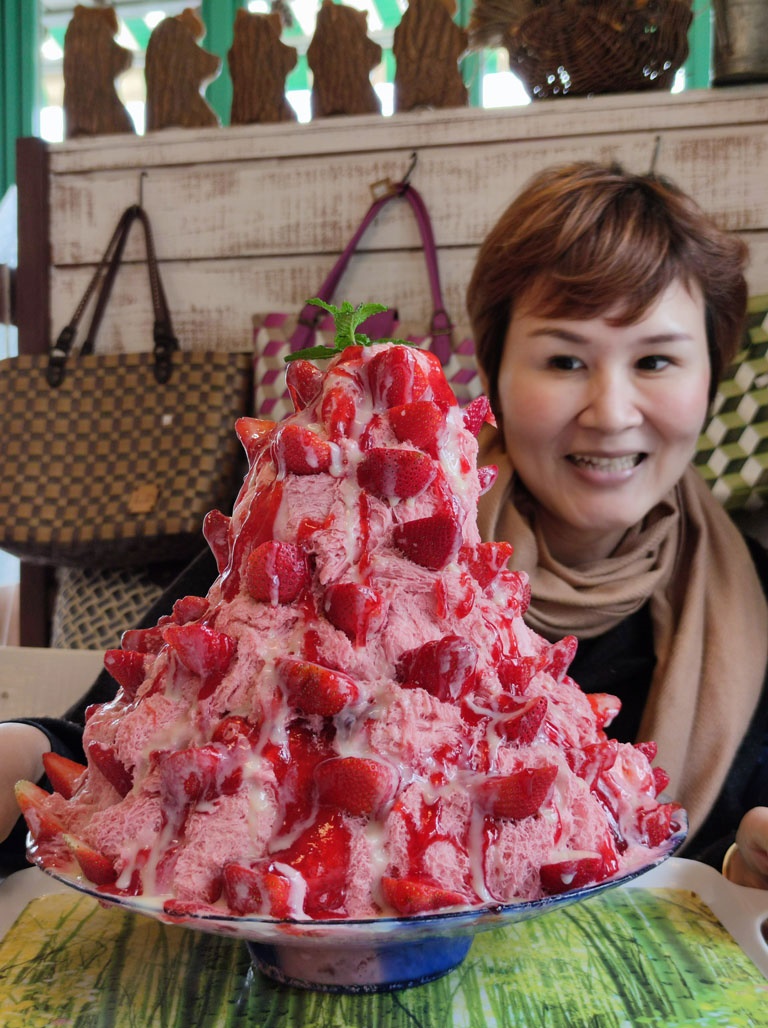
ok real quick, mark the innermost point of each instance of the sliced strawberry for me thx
(605, 707)
(314, 689)
(486, 476)
(657, 823)
(321, 856)
(517, 795)
(96, 867)
(660, 780)
(297, 450)
(258, 527)
(216, 534)
(394, 474)
(63, 774)
(444, 667)
(354, 609)
(294, 762)
(349, 355)
(572, 871)
(303, 379)
(375, 429)
(189, 608)
(201, 650)
(431, 542)
(515, 672)
(256, 889)
(517, 590)
(648, 748)
(561, 656)
(230, 730)
(190, 775)
(32, 801)
(421, 423)
(276, 572)
(117, 774)
(441, 390)
(143, 640)
(486, 560)
(356, 785)
(127, 669)
(396, 377)
(338, 411)
(476, 413)
(410, 896)
(254, 434)
(520, 722)
(590, 762)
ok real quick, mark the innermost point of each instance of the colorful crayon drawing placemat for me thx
(632, 958)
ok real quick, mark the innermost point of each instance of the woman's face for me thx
(600, 421)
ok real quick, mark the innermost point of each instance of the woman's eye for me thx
(653, 362)
(562, 362)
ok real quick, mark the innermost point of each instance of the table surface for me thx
(669, 949)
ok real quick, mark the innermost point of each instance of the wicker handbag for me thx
(114, 459)
(578, 47)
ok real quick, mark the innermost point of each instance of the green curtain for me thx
(219, 18)
(19, 34)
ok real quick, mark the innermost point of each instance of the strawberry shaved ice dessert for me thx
(356, 721)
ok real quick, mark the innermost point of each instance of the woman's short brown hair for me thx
(585, 238)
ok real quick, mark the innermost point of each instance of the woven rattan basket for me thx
(578, 47)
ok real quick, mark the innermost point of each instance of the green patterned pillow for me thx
(732, 452)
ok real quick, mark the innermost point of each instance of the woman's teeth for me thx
(629, 460)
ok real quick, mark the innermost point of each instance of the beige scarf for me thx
(710, 619)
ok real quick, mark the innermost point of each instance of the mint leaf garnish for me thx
(346, 321)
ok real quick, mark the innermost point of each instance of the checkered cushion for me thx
(732, 452)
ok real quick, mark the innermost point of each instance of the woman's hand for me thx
(746, 862)
(21, 756)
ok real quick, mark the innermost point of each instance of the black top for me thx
(621, 662)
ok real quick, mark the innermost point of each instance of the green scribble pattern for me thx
(632, 958)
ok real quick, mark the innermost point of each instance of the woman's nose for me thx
(611, 403)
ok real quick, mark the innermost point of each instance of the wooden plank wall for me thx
(251, 219)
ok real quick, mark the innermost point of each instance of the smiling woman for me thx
(600, 419)
(604, 307)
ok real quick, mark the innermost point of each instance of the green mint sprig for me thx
(346, 320)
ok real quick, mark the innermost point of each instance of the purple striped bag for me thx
(276, 335)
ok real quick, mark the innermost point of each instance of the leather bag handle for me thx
(441, 326)
(164, 339)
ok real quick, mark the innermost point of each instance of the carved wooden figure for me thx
(92, 62)
(259, 63)
(341, 57)
(427, 46)
(177, 71)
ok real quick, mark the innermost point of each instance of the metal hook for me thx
(386, 187)
(142, 175)
(655, 157)
(411, 168)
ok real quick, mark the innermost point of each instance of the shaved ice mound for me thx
(355, 721)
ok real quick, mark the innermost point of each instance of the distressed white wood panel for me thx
(554, 119)
(281, 207)
(212, 302)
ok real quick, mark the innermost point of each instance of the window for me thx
(487, 72)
